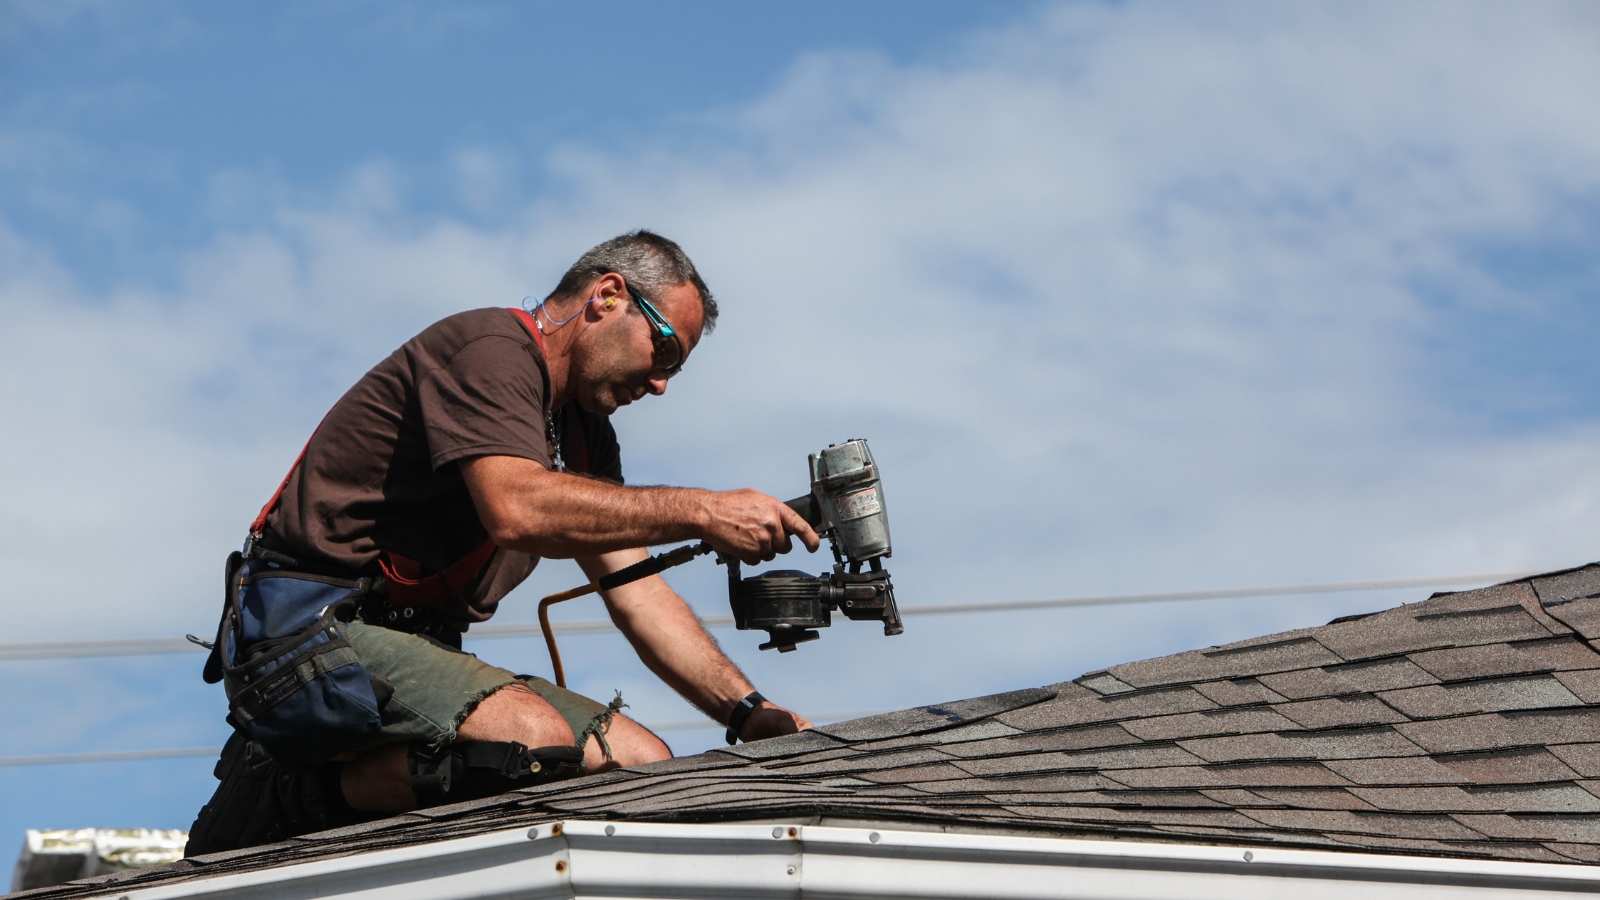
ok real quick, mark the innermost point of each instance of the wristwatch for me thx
(741, 714)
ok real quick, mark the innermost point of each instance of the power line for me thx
(157, 646)
(183, 752)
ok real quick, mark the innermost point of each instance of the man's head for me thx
(620, 349)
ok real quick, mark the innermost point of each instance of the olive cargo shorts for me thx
(436, 686)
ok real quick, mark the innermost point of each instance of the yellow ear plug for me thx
(610, 302)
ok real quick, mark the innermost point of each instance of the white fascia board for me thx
(583, 859)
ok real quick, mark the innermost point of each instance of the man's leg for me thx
(381, 780)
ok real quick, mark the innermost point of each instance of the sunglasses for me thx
(669, 353)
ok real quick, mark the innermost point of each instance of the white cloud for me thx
(1126, 298)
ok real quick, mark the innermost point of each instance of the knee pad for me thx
(472, 770)
(260, 802)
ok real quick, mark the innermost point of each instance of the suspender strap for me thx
(261, 519)
(532, 326)
(407, 585)
(575, 441)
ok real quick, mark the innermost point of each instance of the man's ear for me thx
(610, 288)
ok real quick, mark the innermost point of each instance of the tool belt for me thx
(377, 609)
(293, 681)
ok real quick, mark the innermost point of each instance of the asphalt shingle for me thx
(1414, 628)
(1239, 692)
(1032, 742)
(1495, 731)
(1537, 798)
(1211, 722)
(1362, 743)
(1120, 758)
(1585, 684)
(1226, 662)
(1353, 678)
(1415, 770)
(1584, 758)
(1572, 598)
(1137, 705)
(1312, 798)
(1340, 712)
(1583, 829)
(1438, 827)
(1514, 658)
(1495, 695)
(1286, 774)
(930, 718)
(1509, 767)
(1570, 584)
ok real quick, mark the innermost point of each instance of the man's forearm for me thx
(564, 516)
(525, 507)
(670, 640)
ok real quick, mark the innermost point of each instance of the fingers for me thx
(754, 527)
(799, 527)
(769, 721)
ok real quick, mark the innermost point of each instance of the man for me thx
(449, 466)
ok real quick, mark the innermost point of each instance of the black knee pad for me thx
(260, 802)
(472, 770)
(245, 810)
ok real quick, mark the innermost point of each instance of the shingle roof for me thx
(1465, 725)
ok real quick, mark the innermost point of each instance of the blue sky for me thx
(1127, 297)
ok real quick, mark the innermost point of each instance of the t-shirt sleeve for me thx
(487, 401)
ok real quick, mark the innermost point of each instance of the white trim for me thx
(581, 859)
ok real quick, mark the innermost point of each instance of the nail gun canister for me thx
(845, 481)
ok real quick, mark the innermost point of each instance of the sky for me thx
(1126, 297)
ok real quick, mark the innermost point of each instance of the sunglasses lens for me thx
(669, 353)
(666, 344)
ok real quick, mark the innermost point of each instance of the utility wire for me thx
(181, 752)
(147, 646)
(156, 646)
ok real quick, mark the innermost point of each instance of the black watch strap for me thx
(741, 714)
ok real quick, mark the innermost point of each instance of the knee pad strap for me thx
(472, 770)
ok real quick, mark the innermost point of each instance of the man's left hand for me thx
(769, 720)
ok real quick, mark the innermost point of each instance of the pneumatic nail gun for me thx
(846, 506)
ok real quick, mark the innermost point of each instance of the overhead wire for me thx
(158, 646)
(151, 646)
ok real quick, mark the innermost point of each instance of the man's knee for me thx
(631, 745)
(515, 713)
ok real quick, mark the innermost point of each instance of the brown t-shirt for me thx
(380, 473)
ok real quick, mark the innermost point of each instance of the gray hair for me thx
(649, 262)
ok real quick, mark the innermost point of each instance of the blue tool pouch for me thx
(293, 681)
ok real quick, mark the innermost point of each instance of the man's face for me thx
(617, 364)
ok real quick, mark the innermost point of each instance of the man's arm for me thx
(672, 643)
(563, 516)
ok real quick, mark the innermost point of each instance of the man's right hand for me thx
(753, 527)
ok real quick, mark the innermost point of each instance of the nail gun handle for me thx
(809, 509)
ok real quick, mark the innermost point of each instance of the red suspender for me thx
(261, 519)
(531, 325)
(575, 449)
(409, 587)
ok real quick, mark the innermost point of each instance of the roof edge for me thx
(644, 860)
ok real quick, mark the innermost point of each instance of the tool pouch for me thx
(293, 681)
